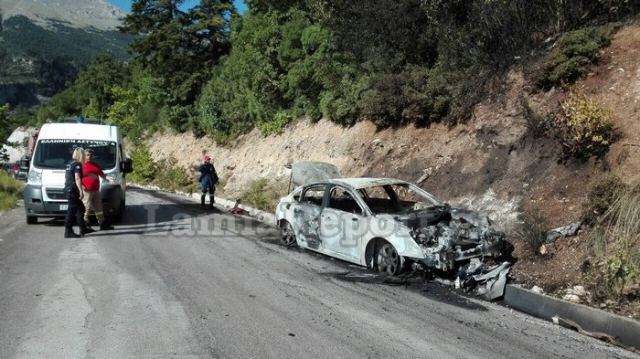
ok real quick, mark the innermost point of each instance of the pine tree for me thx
(180, 46)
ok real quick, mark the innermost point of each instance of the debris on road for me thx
(564, 231)
(577, 294)
(537, 290)
(487, 282)
(236, 210)
(575, 326)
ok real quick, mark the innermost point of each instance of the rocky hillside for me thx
(496, 153)
(46, 42)
(497, 162)
(97, 14)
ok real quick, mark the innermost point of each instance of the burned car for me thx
(387, 224)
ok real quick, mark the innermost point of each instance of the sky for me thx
(126, 4)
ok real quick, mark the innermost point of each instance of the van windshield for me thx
(55, 154)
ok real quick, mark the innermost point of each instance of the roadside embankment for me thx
(10, 191)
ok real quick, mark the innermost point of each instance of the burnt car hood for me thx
(304, 172)
(458, 240)
(437, 214)
(450, 236)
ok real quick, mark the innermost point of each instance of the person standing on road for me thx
(91, 173)
(74, 191)
(208, 180)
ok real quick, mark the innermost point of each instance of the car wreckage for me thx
(390, 225)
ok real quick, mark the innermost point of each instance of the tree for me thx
(90, 92)
(179, 46)
(93, 85)
(5, 125)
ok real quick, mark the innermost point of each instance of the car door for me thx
(307, 215)
(342, 224)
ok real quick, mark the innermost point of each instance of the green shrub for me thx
(144, 168)
(583, 127)
(601, 197)
(173, 177)
(574, 53)
(342, 103)
(256, 195)
(10, 191)
(264, 195)
(533, 231)
(276, 125)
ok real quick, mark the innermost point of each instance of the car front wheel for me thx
(287, 235)
(388, 260)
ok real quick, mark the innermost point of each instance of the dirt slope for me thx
(494, 162)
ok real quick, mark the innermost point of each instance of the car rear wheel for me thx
(287, 235)
(388, 260)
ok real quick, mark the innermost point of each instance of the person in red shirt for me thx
(92, 200)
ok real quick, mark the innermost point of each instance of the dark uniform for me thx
(208, 180)
(75, 211)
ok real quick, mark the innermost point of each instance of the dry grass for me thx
(10, 191)
(263, 194)
(533, 231)
(616, 247)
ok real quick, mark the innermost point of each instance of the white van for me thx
(44, 194)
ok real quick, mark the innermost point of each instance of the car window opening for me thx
(314, 195)
(342, 200)
(396, 199)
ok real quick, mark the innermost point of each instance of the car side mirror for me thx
(126, 166)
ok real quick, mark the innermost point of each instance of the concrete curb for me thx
(260, 215)
(624, 331)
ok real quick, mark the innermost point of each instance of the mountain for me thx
(44, 43)
(74, 13)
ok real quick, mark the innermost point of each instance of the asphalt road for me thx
(174, 281)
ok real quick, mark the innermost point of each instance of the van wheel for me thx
(32, 220)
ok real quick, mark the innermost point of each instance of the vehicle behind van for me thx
(23, 168)
(44, 194)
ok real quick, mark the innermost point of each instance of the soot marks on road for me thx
(413, 282)
(157, 213)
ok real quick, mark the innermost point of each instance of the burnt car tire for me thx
(287, 234)
(388, 261)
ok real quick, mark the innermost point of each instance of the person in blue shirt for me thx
(208, 180)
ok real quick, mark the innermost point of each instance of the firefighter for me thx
(91, 173)
(74, 191)
(208, 180)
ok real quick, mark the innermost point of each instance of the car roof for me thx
(363, 182)
(78, 131)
